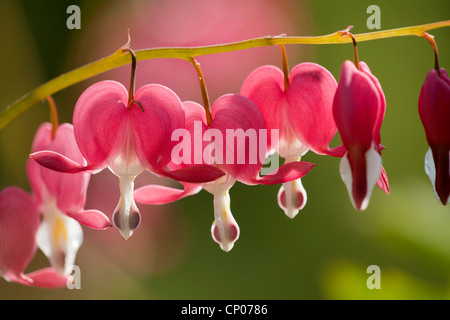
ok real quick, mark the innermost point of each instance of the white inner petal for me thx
(430, 170)
(127, 162)
(126, 166)
(220, 185)
(373, 172)
(126, 216)
(292, 197)
(289, 147)
(225, 230)
(59, 237)
(374, 167)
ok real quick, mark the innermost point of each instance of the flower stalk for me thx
(53, 115)
(285, 67)
(430, 39)
(347, 32)
(205, 97)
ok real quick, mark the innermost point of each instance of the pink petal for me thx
(265, 87)
(309, 105)
(194, 174)
(338, 151)
(240, 122)
(69, 190)
(91, 218)
(193, 112)
(42, 138)
(151, 129)
(383, 182)
(57, 162)
(191, 141)
(19, 221)
(156, 194)
(100, 122)
(47, 278)
(288, 172)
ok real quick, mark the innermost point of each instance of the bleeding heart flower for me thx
(128, 137)
(61, 197)
(301, 111)
(358, 107)
(434, 111)
(237, 132)
(19, 223)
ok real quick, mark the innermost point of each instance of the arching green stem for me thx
(118, 59)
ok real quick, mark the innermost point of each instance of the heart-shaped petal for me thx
(100, 122)
(309, 105)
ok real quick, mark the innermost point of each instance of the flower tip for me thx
(126, 224)
(126, 234)
(225, 237)
(292, 198)
(227, 247)
(360, 173)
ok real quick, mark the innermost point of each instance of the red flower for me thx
(358, 107)
(434, 111)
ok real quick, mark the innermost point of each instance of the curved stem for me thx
(355, 50)
(201, 78)
(132, 77)
(117, 59)
(285, 67)
(430, 39)
(347, 32)
(53, 115)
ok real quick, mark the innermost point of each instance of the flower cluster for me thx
(277, 113)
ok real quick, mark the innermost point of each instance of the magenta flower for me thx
(19, 222)
(302, 112)
(235, 142)
(358, 108)
(61, 197)
(434, 111)
(128, 138)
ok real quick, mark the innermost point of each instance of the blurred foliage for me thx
(321, 254)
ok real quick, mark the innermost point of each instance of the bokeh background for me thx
(324, 252)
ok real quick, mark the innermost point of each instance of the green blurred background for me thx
(324, 252)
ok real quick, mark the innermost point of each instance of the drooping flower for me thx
(302, 112)
(235, 141)
(19, 223)
(60, 198)
(128, 137)
(359, 107)
(434, 111)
